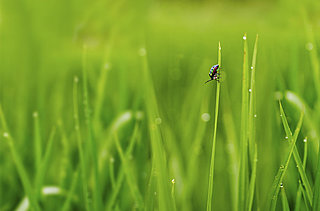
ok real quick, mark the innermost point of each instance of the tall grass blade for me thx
(243, 171)
(37, 141)
(83, 173)
(71, 193)
(251, 128)
(211, 171)
(97, 200)
(19, 165)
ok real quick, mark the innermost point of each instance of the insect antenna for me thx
(208, 81)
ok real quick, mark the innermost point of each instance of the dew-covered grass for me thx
(103, 105)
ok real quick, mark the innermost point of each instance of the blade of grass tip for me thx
(296, 156)
(79, 144)
(44, 164)
(66, 205)
(97, 200)
(298, 196)
(283, 168)
(285, 204)
(243, 170)
(37, 141)
(19, 165)
(211, 171)
(130, 179)
(251, 127)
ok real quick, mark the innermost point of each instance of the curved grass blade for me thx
(285, 204)
(211, 171)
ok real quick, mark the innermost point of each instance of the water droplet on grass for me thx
(250, 90)
(205, 117)
(5, 134)
(35, 114)
(255, 115)
(251, 68)
(244, 37)
(281, 185)
(305, 140)
(158, 121)
(309, 46)
(286, 137)
(76, 79)
(173, 181)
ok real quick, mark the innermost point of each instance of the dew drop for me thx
(244, 37)
(305, 140)
(251, 68)
(255, 115)
(5, 134)
(281, 185)
(76, 79)
(173, 181)
(250, 90)
(205, 117)
(286, 137)
(309, 46)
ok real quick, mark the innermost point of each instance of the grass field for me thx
(103, 105)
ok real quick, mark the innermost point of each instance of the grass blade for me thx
(211, 171)
(243, 170)
(37, 141)
(285, 204)
(44, 164)
(251, 128)
(79, 144)
(66, 205)
(97, 200)
(283, 168)
(19, 165)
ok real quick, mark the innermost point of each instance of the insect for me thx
(213, 73)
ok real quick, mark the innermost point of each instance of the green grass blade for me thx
(285, 204)
(251, 128)
(44, 164)
(97, 200)
(316, 193)
(296, 156)
(121, 173)
(300, 188)
(283, 168)
(129, 176)
(211, 171)
(37, 141)
(243, 170)
(83, 174)
(19, 165)
(71, 193)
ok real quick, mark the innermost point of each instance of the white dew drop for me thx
(158, 120)
(51, 190)
(251, 68)
(286, 137)
(5, 134)
(305, 140)
(255, 115)
(281, 185)
(244, 37)
(142, 52)
(309, 46)
(250, 90)
(173, 181)
(205, 117)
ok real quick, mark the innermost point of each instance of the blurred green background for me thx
(42, 50)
